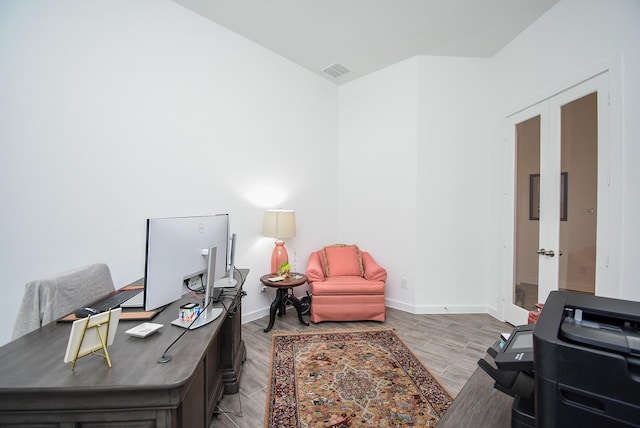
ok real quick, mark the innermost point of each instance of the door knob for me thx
(549, 253)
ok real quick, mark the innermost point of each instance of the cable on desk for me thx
(199, 290)
(236, 304)
(241, 277)
(230, 313)
(166, 358)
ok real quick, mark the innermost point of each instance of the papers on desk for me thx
(504, 338)
(143, 330)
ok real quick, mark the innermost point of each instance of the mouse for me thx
(85, 312)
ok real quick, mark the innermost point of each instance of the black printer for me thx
(582, 367)
(587, 362)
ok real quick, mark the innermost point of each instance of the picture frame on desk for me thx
(92, 334)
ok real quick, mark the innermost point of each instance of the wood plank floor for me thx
(448, 345)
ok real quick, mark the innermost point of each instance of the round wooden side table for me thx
(283, 296)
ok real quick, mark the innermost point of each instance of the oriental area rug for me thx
(349, 379)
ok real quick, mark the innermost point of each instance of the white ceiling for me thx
(367, 35)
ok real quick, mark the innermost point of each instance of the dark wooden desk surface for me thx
(33, 376)
(478, 405)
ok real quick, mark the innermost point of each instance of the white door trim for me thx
(609, 197)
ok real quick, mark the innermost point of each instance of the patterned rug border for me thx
(329, 331)
(277, 334)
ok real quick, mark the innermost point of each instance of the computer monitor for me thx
(229, 280)
(178, 249)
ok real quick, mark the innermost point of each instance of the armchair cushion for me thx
(342, 260)
(315, 270)
(347, 286)
(372, 270)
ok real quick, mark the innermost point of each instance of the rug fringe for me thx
(333, 331)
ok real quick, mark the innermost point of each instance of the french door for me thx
(557, 237)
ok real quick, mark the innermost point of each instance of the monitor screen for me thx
(177, 249)
(522, 340)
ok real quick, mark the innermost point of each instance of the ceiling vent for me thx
(336, 70)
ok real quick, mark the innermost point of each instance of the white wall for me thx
(378, 172)
(572, 41)
(113, 112)
(413, 168)
(437, 125)
(110, 114)
(453, 180)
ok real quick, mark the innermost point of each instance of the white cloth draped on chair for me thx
(46, 300)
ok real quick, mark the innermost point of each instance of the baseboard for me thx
(494, 312)
(453, 309)
(412, 309)
(399, 305)
(441, 309)
(255, 315)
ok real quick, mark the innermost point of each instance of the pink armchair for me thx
(346, 285)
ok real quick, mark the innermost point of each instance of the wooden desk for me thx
(478, 404)
(37, 388)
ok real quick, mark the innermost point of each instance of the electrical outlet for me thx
(403, 283)
(195, 282)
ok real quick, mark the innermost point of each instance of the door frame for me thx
(513, 313)
(609, 231)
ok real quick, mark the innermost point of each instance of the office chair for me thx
(48, 299)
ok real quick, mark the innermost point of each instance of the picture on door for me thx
(534, 196)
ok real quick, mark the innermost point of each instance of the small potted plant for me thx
(284, 269)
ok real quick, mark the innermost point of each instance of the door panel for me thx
(579, 161)
(527, 228)
(559, 226)
(527, 131)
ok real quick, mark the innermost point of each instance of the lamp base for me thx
(278, 257)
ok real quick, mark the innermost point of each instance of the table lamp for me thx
(279, 224)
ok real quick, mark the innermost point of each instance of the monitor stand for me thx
(216, 294)
(209, 315)
(226, 282)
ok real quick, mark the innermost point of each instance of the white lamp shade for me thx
(279, 224)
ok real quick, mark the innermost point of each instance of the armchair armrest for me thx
(315, 271)
(372, 270)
